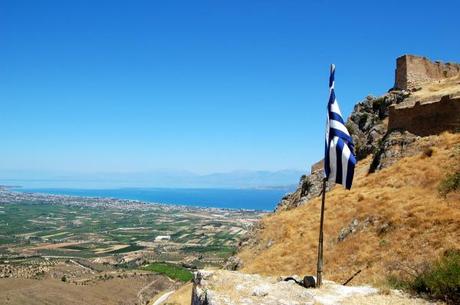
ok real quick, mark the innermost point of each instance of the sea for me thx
(252, 199)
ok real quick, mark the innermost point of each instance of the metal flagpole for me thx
(319, 266)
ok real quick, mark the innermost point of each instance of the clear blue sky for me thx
(205, 86)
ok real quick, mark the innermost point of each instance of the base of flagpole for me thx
(309, 281)
(319, 269)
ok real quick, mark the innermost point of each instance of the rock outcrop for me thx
(310, 186)
(368, 122)
(233, 263)
(399, 144)
(234, 288)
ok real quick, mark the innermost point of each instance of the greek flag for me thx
(339, 159)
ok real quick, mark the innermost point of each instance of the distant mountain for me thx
(284, 179)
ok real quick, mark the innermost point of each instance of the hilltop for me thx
(394, 218)
(402, 213)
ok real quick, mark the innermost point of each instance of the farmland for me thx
(87, 241)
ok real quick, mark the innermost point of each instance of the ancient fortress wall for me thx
(433, 115)
(413, 71)
(427, 118)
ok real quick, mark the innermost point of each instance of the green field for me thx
(173, 271)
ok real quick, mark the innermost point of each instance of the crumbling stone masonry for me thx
(429, 118)
(414, 71)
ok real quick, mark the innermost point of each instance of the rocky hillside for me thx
(368, 126)
(236, 288)
(391, 221)
(395, 220)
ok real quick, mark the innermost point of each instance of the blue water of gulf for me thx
(254, 199)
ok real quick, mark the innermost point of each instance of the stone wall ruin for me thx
(414, 71)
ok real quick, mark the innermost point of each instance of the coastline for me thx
(15, 194)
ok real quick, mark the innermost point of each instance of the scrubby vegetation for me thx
(173, 271)
(440, 280)
(450, 184)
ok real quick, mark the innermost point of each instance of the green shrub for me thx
(441, 280)
(450, 184)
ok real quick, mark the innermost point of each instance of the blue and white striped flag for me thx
(339, 159)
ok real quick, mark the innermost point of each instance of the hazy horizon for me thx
(241, 179)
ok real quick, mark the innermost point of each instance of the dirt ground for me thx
(119, 291)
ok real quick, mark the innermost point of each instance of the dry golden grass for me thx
(182, 296)
(389, 299)
(437, 89)
(421, 224)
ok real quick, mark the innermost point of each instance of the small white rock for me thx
(261, 290)
(240, 287)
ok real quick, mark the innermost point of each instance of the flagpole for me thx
(339, 147)
(319, 266)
